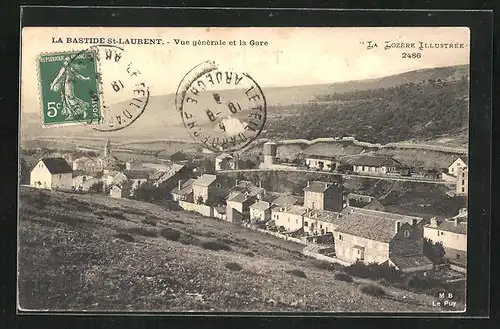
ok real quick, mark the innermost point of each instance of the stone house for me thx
(208, 189)
(290, 217)
(376, 237)
(375, 165)
(320, 222)
(324, 196)
(321, 162)
(184, 191)
(260, 211)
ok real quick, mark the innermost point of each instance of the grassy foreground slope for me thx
(97, 253)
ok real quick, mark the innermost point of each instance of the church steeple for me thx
(107, 148)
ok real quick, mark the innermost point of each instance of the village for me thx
(332, 225)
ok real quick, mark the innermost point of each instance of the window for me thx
(463, 174)
(296, 221)
(458, 256)
(306, 224)
(406, 233)
(60, 176)
(463, 181)
(398, 225)
(320, 225)
(463, 189)
(414, 222)
(358, 251)
(217, 185)
(340, 237)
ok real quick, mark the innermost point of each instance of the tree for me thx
(434, 251)
(207, 166)
(97, 187)
(199, 200)
(145, 192)
(24, 173)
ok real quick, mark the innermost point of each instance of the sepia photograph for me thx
(243, 169)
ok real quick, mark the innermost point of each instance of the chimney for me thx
(434, 222)
(307, 183)
(397, 226)
(260, 184)
(455, 222)
(179, 185)
(236, 181)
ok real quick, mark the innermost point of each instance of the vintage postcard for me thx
(243, 169)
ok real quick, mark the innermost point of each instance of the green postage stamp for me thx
(69, 86)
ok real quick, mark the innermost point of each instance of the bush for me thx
(40, 200)
(148, 221)
(434, 251)
(374, 271)
(170, 234)
(344, 277)
(358, 269)
(419, 283)
(124, 236)
(322, 265)
(298, 273)
(142, 231)
(234, 266)
(215, 245)
(188, 239)
(373, 289)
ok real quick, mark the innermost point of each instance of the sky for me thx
(293, 56)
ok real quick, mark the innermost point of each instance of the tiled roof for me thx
(370, 224)
(323, 215)
(237, 197)
(57, 165)
(464, 158)
(178, 156)
(286, 200)
(224, 156)
(449, 226)
(261, 205)
(363, 197)
(405, 262)
(371, 161)
(205, 180)
(137, 174)
(186, 187)
(293, 209)
(318, 187)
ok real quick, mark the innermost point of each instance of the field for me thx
(97, 253)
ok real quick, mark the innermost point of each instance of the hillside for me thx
(98, 253)
(161, 119)
(411, 111)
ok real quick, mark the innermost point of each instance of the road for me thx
(401, 179)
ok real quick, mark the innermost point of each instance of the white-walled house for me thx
(460, 162)
(52, 173)
(452, 234)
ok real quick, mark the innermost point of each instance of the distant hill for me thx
(161, 119)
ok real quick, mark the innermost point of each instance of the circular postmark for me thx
(224, 110)
(123, 94)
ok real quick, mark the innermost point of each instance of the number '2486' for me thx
(411, 55)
